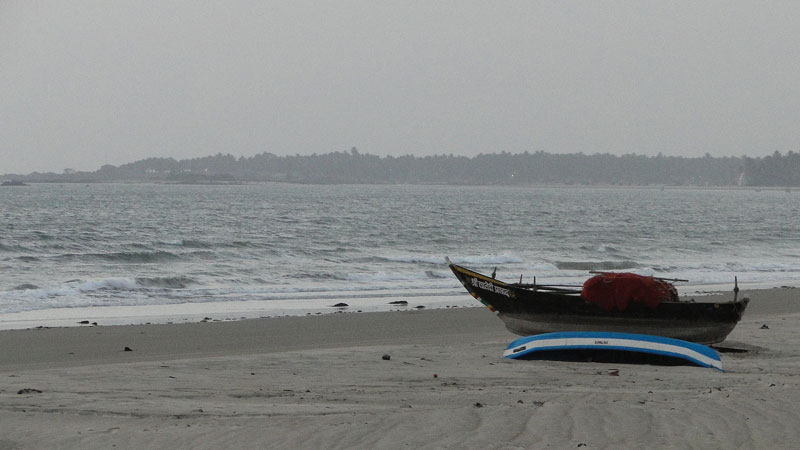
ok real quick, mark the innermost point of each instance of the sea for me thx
(131, 253)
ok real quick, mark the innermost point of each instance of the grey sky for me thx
(85, 83)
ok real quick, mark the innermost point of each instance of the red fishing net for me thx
(617, 290)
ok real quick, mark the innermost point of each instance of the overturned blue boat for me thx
(627, 342)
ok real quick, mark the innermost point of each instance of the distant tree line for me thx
(485, 169)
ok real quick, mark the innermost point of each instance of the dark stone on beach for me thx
(341, 305)
(127, 349)
(84, 322)
(94, 324)
(479, 405)
(398, 302)
(764, 327)
(386, 357)
(29, 391)
(420, 306)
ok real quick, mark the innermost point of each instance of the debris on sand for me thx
(29, 391)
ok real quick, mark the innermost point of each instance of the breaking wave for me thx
(109, 284)
(166, 282)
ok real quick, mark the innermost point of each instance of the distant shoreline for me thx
(353, 167)
(520, 186)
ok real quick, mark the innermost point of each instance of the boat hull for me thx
(701, 332)
(529, 311)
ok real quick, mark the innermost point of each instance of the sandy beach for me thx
(322, 382)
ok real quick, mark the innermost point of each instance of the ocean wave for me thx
(197, 243)
(27, 258)
(13, 248)
(479, 260)
(125, 257)
(437, 275)
(600, 248)
(317, 276)
(482, 260)
(25, 287)
(244, 244)
(194, 243)
(166, 282)
(596, 265)
(75, 287)
(373, 277)
(381, 277)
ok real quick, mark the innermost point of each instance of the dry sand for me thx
(321, 382)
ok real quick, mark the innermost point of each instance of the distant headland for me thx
(539, 168)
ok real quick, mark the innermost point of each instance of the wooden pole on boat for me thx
(735, 288)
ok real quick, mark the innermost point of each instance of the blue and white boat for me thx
(643, 343)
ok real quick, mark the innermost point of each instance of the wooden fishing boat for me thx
(530, 309)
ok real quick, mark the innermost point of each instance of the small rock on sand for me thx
(29, 391)
(386, 357)
(341, 305)
(127, 349)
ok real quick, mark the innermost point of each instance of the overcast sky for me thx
(85, 83)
